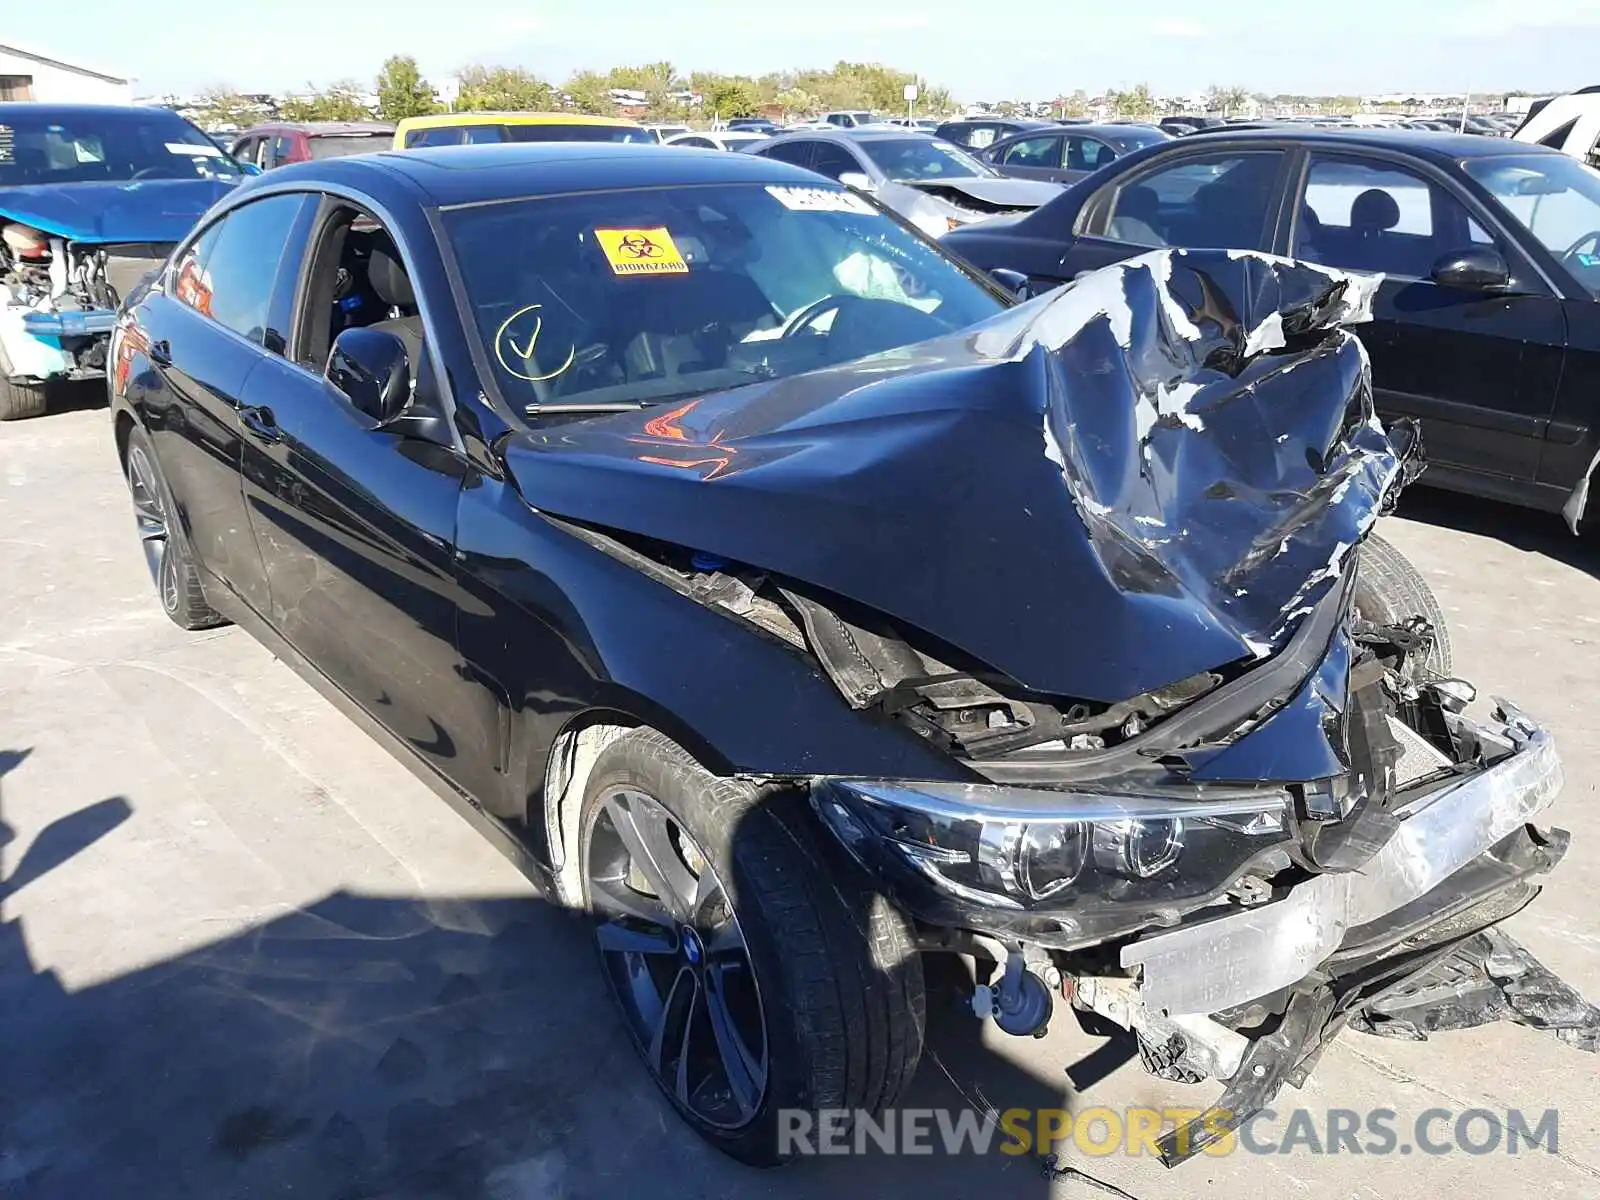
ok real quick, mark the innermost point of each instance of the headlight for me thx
(1093, 861)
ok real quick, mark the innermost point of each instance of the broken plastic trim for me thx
(1249, 953)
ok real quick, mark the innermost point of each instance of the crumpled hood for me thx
(145, 210)
(1152, 473)
(1004, 193)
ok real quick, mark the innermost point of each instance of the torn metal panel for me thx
(1172, 458)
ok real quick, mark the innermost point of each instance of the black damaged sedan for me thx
(794, 605)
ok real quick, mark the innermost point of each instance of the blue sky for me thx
(1321, 46)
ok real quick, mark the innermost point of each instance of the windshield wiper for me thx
(548, 410)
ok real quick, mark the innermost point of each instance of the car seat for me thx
(1138, 212)
(389, 280)
(1374, 213)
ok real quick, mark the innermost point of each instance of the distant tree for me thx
(734, 96)
(590, 92)
(503, 89)
(402, 91)
(1137, 102)
(1226, 100)
(797, 102)
(223, 108)
(339, 101)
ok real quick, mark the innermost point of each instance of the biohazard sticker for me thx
(641, 251)
(816, 199)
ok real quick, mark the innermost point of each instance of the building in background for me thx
(28, 75)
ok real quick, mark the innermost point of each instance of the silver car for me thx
(933, 184)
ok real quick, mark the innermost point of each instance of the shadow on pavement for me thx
(400, 1047)
(1534, 532)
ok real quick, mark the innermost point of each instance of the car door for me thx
(356, 522)
(208, 329)
(1478, 368)
(1224, 199)
(1036, 157)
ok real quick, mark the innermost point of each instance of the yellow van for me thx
(473, 128)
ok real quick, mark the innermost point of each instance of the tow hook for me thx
(1021, 1005)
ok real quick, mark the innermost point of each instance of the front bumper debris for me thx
(1252, 952)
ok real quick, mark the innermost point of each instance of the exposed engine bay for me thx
(58, 298)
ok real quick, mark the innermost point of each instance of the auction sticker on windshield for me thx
(641, 251)
(807, 199)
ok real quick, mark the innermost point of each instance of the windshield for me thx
(344, 144)
(99, 145)
(578, 133)
(639, 296)
(1135, 138)
(1554, 197)
(921, 158)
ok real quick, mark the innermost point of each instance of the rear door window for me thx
(1215, 201)
(1040, 152)
(444, 135)
(795, 153)
(240, 272)
(835, 161)
(1087, 154)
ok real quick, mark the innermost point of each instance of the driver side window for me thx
(357, 280)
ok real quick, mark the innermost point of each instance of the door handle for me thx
(161, 352)
(263, 426)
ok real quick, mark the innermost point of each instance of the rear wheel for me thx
(166, 549)
(1390, 591)
(754, 971)
(18, 401)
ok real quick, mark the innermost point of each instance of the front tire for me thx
(1390, 591)
(753, 968)
(167, 553)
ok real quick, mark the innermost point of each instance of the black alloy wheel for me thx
(166, 551)
(677, 960)
(155, 536)
(756, 969)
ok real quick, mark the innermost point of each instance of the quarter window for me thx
(240, 271)
(1213, 201)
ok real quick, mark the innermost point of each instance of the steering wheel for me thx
(157, 172)
(802, 319)
(1590, 238)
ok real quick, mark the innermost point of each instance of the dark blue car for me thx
(91, 198)
(790, 602)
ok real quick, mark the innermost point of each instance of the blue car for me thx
(91, 199)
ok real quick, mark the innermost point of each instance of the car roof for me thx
(16, 108)
(453, 120)
(452, 175)
(1424, 143)
(318, 128)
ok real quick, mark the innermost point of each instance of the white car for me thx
(727, 139)
(665, 133)
(1569, 123)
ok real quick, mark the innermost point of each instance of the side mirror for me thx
(371, 368)
(1476, 269)
(1015, 282)
(856, 181)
